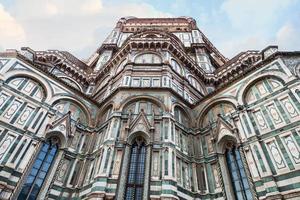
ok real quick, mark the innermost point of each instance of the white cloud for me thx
(287, 37)
(248, 14)
(252, 24)
(234, 46)
(11, 32)
(73, 25)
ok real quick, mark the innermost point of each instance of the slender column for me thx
(123, 173)
(226, 178)
(147, 173)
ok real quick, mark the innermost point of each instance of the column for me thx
(226, 178)
(123, 178)
(147, 173)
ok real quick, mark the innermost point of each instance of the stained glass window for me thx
(238, 175)
(38, 172)
(136, 173)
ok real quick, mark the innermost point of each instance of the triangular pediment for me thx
(224, 130)
(62, 125)
(140, 123)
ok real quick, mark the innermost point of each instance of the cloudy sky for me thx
(79, 26)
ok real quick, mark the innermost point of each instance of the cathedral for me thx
(156, 112)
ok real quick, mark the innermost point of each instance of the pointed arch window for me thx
(136, 173)
(39, 170)
(238, 175)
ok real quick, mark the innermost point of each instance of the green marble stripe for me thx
(37, 120)
(283, 89)
(7, 103)
(282, 111)
(210, 178)
(151, 192)
(19, 111)
(185, 191)
(168, 182)
(34, 91)
(295, 134)
(247, 124)
(273, 133)
(284, 152)
(295, 101)
(110, 190)
(31, 118)
(254, 125)
(269, 88)
(266, 114)
(169, 192)
(21, 158)
(3, 133)
(98, 189)
(22, 84)
(264, 149)
(281, 189)
(28, 98)
(11, 150)
(260, 159)
(155, 183)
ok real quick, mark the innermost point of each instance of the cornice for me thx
(247, 70)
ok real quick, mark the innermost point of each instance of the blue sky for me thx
(79, 26)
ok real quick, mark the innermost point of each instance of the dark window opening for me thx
(136, 173)
(238, 175)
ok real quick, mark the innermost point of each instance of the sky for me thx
(80, 26)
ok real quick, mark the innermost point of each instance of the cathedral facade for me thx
(157, 112)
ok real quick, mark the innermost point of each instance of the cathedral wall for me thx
(34, 108)
(265, 114)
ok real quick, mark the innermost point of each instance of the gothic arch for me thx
(161, 33)
(72, 82)
(206, 109)
(146, 53)
(75, 101)
(103, 110)
(22, 73)
(186, 113)
(120, 67)
(277, 75)
(133, 135)
(202, 86)
(132, 99)
(62, 140)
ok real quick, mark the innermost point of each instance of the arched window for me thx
(28, 86)
(238, 175)
(223, 109)
(180, 116)
(148, 107)
(173, 164)
(195, 83)
(149, 58)
(107, 159)
(176, 67)
(166, 159)
(120, 67)
(64, 106)
(261, 89)
(39, 170)
(106, 114)
(136, 173)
